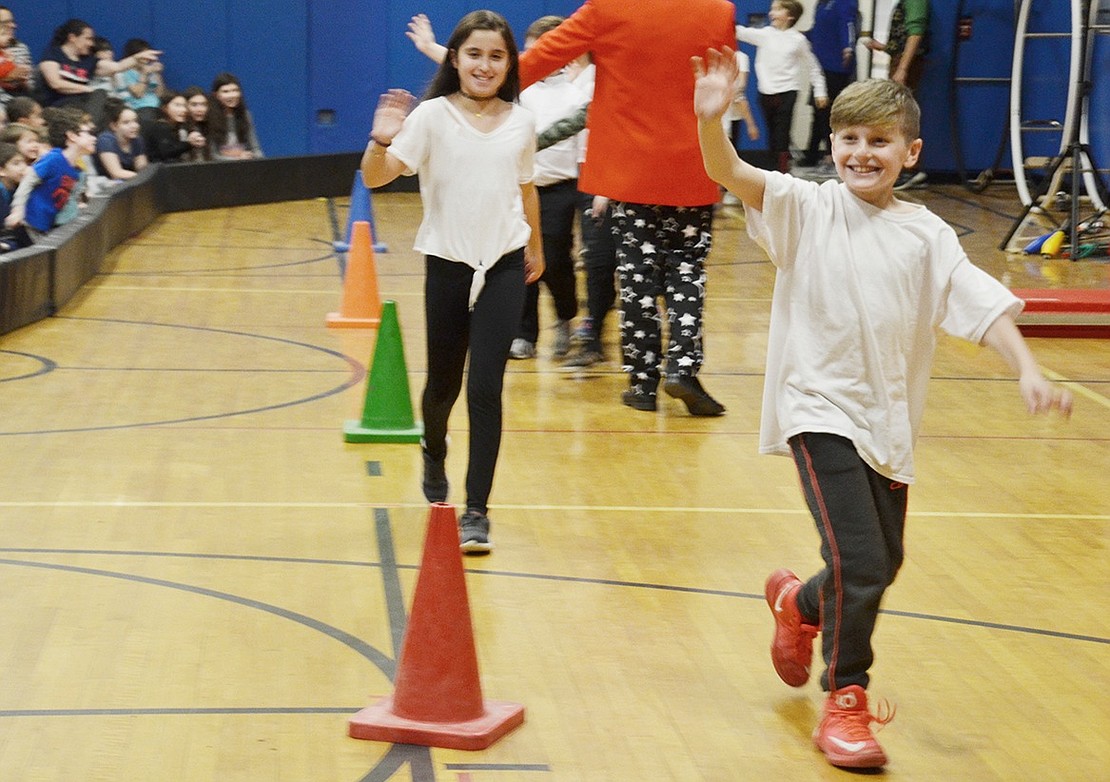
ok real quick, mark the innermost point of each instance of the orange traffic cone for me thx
(437, 699)
(361, 303)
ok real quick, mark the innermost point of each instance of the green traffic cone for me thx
(387, 414)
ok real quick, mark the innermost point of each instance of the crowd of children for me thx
(831, 400)
(134, 119)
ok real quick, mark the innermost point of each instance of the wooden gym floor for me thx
(202, 581)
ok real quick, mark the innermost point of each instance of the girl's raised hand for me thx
(421, 34)
(390, 115)
(714, 77)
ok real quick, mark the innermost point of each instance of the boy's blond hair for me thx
(879, 103)
(544, 24)
(793, 8)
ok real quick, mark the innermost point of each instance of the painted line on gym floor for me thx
(360, 647)
(175, 289)
(390, 568)
(1077, 388)
(146, 712)
(938, 514)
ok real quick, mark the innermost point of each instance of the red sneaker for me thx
(792, 647)
(844, 734)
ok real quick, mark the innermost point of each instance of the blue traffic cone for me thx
(360, 210)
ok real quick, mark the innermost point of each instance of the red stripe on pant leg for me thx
(835, 552)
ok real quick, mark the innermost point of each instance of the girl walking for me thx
(473, 147)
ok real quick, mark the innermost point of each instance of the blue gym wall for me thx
(312, 71)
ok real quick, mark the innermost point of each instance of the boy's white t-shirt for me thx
(859, 293)
(780, 57)
(469, 183)
(743, 63)
(550, 100)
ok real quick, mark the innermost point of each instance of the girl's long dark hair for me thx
(217, 113)
(446, 80)
(205, 152)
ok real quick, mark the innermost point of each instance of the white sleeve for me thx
(412, 144)
(29, 182)
(816, 74)
(750, 35)
(974, 300)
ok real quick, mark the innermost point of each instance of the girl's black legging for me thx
(486, 332)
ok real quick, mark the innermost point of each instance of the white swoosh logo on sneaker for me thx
(848, 746)
(779, 598)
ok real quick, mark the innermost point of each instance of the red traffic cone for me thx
(361, 303)
(437, 699)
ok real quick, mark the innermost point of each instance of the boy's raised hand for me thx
(714, 77)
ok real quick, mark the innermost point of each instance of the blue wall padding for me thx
(312, 71)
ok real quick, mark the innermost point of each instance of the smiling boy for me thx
(49, 183)
(863, 281)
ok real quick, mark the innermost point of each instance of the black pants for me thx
(861, 517)
(661, 252)
(778, 110)
(486, 332)
(90, 102)
(558, 204)
(601, 266)
(820, 130)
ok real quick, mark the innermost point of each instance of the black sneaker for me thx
(911, 180)
(583, 358)
(474, 533)
(689, 390)
(435, 477)
(638, 400)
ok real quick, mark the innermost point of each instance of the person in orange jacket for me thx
(643, 155)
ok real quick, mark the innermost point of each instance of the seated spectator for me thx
(120, 151)
(231, 128)
(141, 87)
(88, 181)
(197, 101)
(26, 111)
(170, 139)
(50, 182)
(12, 168)
(70, 64)
(27, 140)
(19, 80)
(109, 83)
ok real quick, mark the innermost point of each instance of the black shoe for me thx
(435, 477)
(474, 533)
(911, 180)
(638, 400)
(583, 358)
(690, 391)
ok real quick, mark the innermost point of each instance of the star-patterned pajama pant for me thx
(661, 251)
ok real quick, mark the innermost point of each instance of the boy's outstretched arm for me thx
(424, 38)
(1039, 394)
(714, 79)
